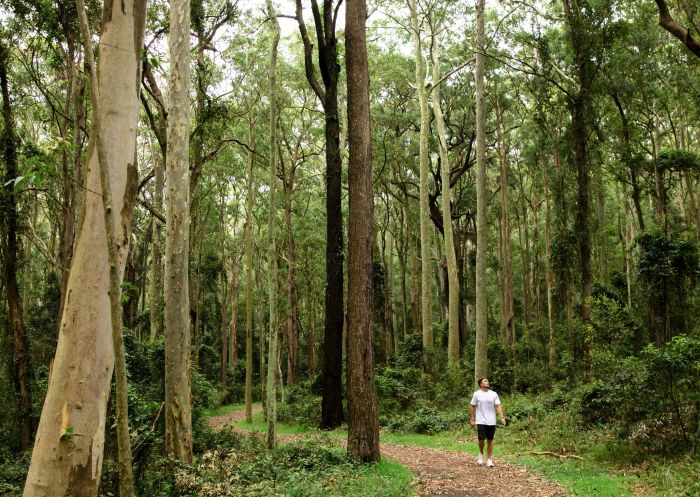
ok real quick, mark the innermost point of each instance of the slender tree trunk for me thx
(414, 292)
(452, 275)
(507, 308)
(156, 294)
(67, 456)
(426, 300)
(178, 413)
(293, 317)
(480, 351)
(72, 195)
(389, 298)
(527, 288)
(223, 329)
(363, 424)
(272, 229)
(262, 371)
(550, 277)
(249, 266)
(233, 341)
(20, 353)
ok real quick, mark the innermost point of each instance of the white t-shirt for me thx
(485, 403)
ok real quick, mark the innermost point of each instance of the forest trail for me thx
(446, 473)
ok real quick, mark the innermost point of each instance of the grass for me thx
(580, 477)
(218, 411)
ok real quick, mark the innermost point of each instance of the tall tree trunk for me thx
(20, 355)
(332, 402)
(293, 316)
(249, 265)
(126, 479)
(526, 278)
(507, 308)
(581, 113)
(363, 424)
(223, 329)
(480, 350)
(156, 290)
(426, 300)
(414, 291)
(178, 409)
(72, 178)
(67, 456)
(233, 339)
(550, 277)
(452, 275)
(272, 229)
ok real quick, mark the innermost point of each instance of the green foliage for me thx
(13, 473)
(300, 406)
(396, 387)
(303, 468)
(676, 160)
(613, 326)
(422, 420)
(667, 270)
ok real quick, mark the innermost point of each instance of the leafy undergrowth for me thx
(301, 468)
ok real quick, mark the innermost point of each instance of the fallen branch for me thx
(548, 453)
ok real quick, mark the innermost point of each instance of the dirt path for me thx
(448, 473)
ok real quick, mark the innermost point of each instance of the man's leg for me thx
(489, 448)
(481, 447)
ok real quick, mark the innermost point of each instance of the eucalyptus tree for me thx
(272, 227)
(453, 346)
(178, 407)
(480, 349)
(422, 94)
(67, 456)
(327, 43)
(363, 424)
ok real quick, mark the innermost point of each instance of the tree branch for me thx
(667, 22)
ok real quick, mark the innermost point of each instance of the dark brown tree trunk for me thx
(363, 425)
(332, 369)
(20, 357)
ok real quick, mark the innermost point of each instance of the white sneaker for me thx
(489, 463)
(480, 459)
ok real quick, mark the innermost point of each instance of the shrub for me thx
(300, 406)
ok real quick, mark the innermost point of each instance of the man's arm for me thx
(472, 414)
(500, 413)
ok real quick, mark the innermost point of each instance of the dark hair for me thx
(481, 379)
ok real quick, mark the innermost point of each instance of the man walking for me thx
(484, 404)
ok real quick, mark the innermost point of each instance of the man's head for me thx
(484, 383)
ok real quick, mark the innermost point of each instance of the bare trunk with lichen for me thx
(178, 408)
(68, 452)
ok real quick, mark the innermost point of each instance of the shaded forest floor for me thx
(440, 472)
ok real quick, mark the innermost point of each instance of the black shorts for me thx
(486, 432)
